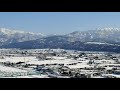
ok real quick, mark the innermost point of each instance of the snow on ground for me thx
(59, 58)
(18, 59)
(101, 43)
(104, 61)
(95, 43)
(115, 75)
(79, 65)
(102, 65)
(98, 77)
(39, 76)
(35, 76)
(74, 64)
(66, 61)
(18, 77)
(30, 76)
(10, 69)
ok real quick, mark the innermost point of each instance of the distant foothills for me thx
(99, 39)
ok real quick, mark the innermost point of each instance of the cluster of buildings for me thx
(58, 63)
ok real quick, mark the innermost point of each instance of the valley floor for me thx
(58, 63)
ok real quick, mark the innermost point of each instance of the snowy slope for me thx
(99, 39)
(10, 36)
(97, 35)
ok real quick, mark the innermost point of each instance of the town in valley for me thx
(58, 63)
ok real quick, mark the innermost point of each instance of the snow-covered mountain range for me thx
(99, 39)
(8, 36)
(97, 35)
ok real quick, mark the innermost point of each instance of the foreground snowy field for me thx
(58, 63)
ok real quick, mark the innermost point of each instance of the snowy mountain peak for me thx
(11, 32)
(108, 29)
(12, 36)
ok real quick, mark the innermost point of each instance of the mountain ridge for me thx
(8, 36)
(106, 39)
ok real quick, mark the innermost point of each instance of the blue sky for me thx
(58, 22)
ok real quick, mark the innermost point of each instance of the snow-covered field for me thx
(58, 63)
(18, 59)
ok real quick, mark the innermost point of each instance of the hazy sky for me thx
(58, 22)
